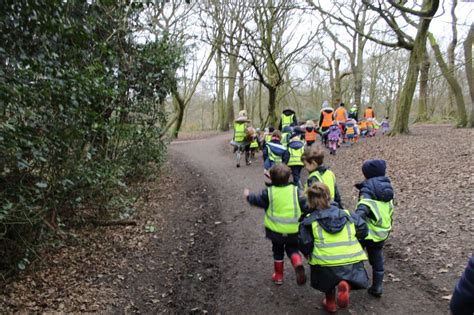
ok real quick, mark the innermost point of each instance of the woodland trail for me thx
(199, 248)
(245, 255)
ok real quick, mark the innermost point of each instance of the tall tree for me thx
(469, 71)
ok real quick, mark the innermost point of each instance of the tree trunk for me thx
(469, 72)
(220, 91)
(272, 96)
(452, 56)
(452, 81)
(179, 115)
(416, 56)
(422, 102)
(241, 91)
(260, 114)
(336, 96)
(232, 74)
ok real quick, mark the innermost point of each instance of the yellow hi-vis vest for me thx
(336, 249)
(285, 138)
(268, 138)
(286, 120)
(254, 144)
(274, 157)
(328, 178)
(283, 210)
(380, 228)
(239, 132)
(295, 156)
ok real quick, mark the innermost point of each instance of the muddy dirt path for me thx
(245, 258)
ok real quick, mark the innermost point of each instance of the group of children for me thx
(314, 223)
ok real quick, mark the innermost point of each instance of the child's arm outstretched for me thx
(337, 197)
(257, 200)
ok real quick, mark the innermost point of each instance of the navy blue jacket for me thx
(296, 145)
(462, 301)
(375, 188)
(261, 200)
(332, 220)
(285, 155)
(337, 197)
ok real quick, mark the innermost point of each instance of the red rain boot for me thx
(329, 302)
(343, 291)
(299, 269)
(277, 276)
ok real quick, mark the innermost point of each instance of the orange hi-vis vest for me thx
(341, 114)
(363, 125)
(310, 136)
(327, 119)
(369, 113)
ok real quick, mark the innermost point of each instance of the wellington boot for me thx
(377, 284)
(277, 276)
(343, 292)
(297, 263)
(329, 302)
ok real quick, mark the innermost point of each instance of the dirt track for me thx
(245, 255)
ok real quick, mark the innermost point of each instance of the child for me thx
(385, 125)
(285, 136)
(350, 131)
(282, 204)
(274, 153)
(363, 127)
(311, 133)
(295, 150)
(313, 159)
(254, 145)
(375, 207)
(333, 136)
(329, 236)
(370, 127)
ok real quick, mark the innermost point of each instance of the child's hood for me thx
(296, 145)
(332, 220)
(376, 188)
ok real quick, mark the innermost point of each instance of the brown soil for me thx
(209, 254)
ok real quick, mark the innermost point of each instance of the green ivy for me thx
(80, 114)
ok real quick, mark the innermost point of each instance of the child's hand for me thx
(246, 193)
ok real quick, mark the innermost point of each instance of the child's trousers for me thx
(296, 172)
(280, 248)
(375, 253)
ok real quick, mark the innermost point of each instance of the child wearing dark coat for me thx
(283, 206)
(375, 207)
(462, 301)
(330, 236)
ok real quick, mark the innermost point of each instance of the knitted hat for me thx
(374, 168)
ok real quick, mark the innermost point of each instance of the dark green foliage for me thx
(80, 113)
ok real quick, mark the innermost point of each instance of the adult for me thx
(287, 119)
(325, 120)
(340, 115)
(240, 135)
(369, 113)
(354, 112)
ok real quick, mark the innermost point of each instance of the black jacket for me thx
(337, 197)
(462, 302)
(375, 188)
(332, 220)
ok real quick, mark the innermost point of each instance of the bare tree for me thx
(448, 70)
(355, 14)
(267, 40)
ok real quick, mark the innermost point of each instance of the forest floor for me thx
(199, 248)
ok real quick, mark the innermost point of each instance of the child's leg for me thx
(375, 253)
(329, 302)
(291, 248)
(296, 172)
(278, 255)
